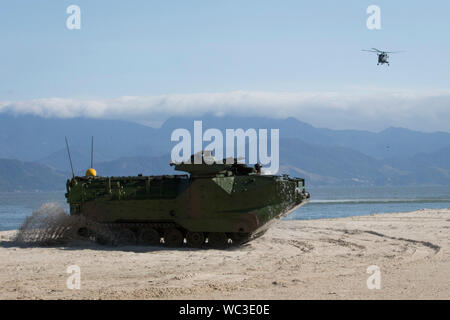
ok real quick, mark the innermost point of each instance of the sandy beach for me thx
(315, 259)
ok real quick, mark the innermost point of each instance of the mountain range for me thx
(33, 154)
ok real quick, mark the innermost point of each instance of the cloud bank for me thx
(372, 110)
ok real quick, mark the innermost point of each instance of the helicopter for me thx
(382, 55)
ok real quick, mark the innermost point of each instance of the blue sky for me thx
(165, 48)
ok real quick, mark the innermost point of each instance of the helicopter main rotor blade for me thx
(370, 51)
(377, 50)
(394, 51)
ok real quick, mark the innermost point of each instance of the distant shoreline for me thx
(313, 187)
(37, 191)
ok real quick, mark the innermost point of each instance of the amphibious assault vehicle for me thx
(213, 205)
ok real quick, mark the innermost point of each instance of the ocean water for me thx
(346, 202)
(325, 202)
(15, 207)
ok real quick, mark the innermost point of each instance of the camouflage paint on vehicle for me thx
(231, 199)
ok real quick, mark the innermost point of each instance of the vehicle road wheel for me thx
(149, 236)
(173, 238)
(195, 239)
(217, 240)
(83, 232)
(126, 237)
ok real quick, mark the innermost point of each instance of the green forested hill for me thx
(16, 175)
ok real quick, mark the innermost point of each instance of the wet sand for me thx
(316, 259)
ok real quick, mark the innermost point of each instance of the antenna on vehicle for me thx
(91, 171)
(70, 158)
(92, 152)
